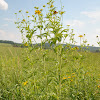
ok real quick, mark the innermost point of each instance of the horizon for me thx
(48, 43)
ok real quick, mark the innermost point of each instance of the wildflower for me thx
(76, 48)
(37, 12)
(25, 44)
(21, 89)
(68, 25)
(23, 20)
(97, 36)
(43, 5)
(32, 15)
(55, 12)
(64, 78)
(36, 7)
(73, 73)
(51, 6)
(41, 9)
(88, 44)
(25, 83)
(71, 80)
(80, 36)
(28, 16)
(20, 11)
(86, 73)
(98, 86)
(69, 77)
(27, 12)
(72, 48)
(61, 12)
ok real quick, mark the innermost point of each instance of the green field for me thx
(41, 75)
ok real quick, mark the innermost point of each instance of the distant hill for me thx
(11, 43)
(47, 45)
(6, 41)
(90, 48)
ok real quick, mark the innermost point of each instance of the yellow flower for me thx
(80, 36)
(88, 44)
(20, 11)
(43, 5)
(37, 12)
(71, 80)
(68, 25)
(73, 73)
(72, 48)
(21, 89)
(27, 12)
(25, 44)
(64, 78)
(23, 20)
(69, 77)
(36, 7)
(76, 48)
(32, 15)
(25, 83)
(61, 12)
(73, 76)
(98, 86)
(51, 6)
(41, 9)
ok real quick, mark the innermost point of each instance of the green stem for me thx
(41, 38)
(60, 74)
(57, 76)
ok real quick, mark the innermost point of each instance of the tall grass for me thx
(41, 77)
(59, 73)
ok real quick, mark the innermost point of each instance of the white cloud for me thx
(92, 21)
(98, 30)
(3, 5)
(8, 19)
(16, 37)
(2, 33)
(92, 14)
(5, 25)
(75, 23)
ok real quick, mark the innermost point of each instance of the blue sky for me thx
(82, 15)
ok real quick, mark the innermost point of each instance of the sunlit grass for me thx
(27, 79)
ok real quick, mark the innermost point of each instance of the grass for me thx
(35, 76)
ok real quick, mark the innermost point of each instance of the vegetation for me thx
(35, 76)
(46, 46)
(60, 73)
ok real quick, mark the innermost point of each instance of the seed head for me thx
(55, 12)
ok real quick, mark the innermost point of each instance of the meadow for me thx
(61, 72)
(40, 76)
